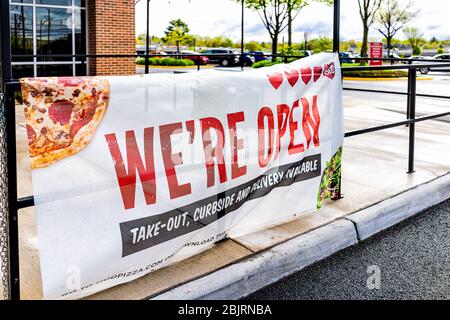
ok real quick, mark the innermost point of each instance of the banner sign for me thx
(376, 52)
(131, 174)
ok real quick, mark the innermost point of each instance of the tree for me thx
(367, 11)
(321, 44)
(294, 8)
(415, 39)
(214, 42)
(140, 39)
(177, 32)
(277, 15)
(434, 40)
(253, 46)
(274, 15)
(392, 17)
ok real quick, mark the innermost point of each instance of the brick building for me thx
(63, 28)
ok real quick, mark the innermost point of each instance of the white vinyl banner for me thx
(131, 174)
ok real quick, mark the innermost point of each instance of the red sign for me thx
(376, 51)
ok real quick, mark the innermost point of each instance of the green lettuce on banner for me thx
(131, 174)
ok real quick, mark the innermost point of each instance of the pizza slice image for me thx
(62, 115)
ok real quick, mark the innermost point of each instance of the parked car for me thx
(421, 70)
(346, 57)
(224, 57)
(249, 59)
(444, 56)
(415, 58)
(154, 54)
(392, 55)
(259, 55)
(194, 56)
(160, 54)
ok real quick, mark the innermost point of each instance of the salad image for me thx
(330, 184)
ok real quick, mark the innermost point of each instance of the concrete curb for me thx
(388, 213)
(243, 278)
(262, 269)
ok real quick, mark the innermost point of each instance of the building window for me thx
(41, 28)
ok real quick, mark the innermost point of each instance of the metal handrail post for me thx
(411, 116)
(408, 94)
(13, 220)
(12, 237)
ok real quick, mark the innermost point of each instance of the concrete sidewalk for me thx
(269, 266)
(375, 185)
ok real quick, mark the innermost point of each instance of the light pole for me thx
(147, 35)
(147, 40)
(336, 25)
(306, 35)
(242, 33)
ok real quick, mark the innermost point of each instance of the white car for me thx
(422, 70)
(445, 56)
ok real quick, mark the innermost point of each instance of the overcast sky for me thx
(222, 17)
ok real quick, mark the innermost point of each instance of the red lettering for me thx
(315, 124)
(265, 112)
(190, 126)
(236, 145)
(293, 126)
(213, 153)
(283, 120)
(127, 179)
(171, 160)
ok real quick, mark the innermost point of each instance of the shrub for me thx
(166, 62)
(175, 62)
(140, 61)
(417, 51)
(376, 74)
(269, 63)
(263, 63)
(154, 61)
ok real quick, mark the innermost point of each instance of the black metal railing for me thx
(195, 57)
(9, 88)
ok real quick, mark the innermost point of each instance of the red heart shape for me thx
(276, 79)
(306, 74)
(330, 71)
(292, 77)
(317, 73)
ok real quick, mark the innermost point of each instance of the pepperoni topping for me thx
(70, 82)
(77, 126)
(31, 135)
(82, 119)
(60, 111)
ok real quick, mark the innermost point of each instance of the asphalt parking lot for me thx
(410, 261)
